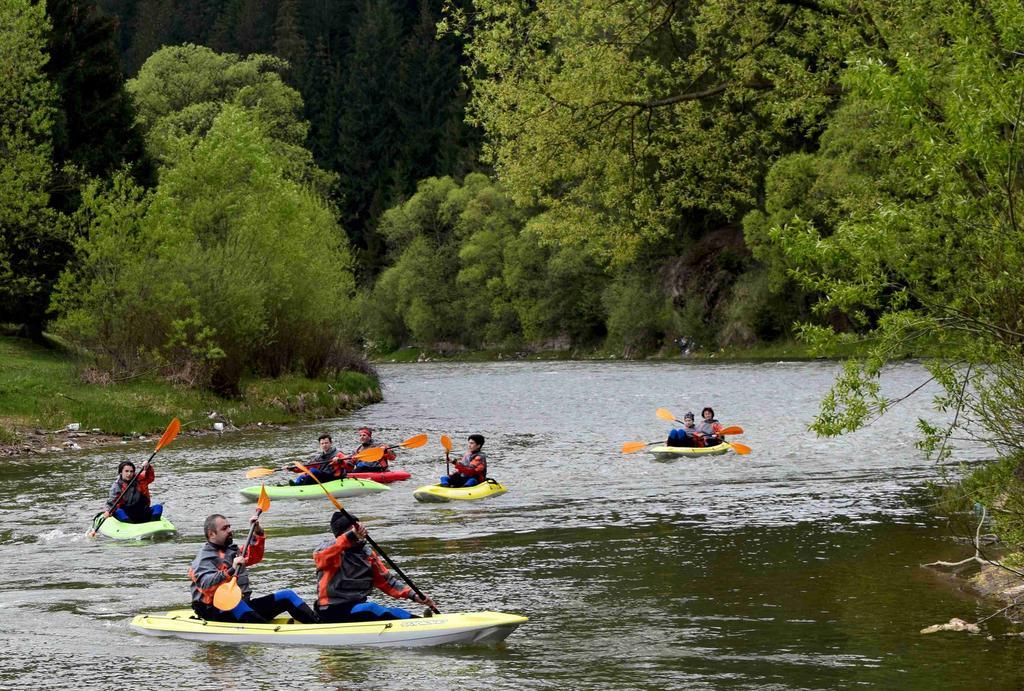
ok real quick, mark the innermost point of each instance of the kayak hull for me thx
(672, 452)
(337, 488)
(440, 494)
(149, 530)
(384, 477)
(485, 628)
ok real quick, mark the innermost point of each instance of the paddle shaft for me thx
(393, 565)
(371, 541)
(252, 531)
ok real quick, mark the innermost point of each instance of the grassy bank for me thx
(40, 389)
(780, 350)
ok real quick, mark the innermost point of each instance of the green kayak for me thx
(117, 530)
(338, 488)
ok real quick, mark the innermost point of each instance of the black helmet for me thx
(342, 521)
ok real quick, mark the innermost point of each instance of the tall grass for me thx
(40, 388)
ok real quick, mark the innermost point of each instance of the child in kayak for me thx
(133, 505)
(366, 442)
(327, 465)
(348, 570)
(219, 560)
(471, 469)
(709, 428)
(683, 436)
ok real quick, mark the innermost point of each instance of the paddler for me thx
(366, 442)
(133, 505)
(219, 560)
(684, 436)
(471, 469)
(708, 428)
(348, 571)
(327, 465)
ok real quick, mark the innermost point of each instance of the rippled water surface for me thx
(795, 567)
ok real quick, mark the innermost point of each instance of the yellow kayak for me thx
(440, 629)
(440, 493)
(664, 453)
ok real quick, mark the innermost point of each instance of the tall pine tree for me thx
(32, 248)
(289, 42)
(94, 128)
(369, 131)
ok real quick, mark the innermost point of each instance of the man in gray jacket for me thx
(219, 560)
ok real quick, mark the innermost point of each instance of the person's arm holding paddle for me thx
(211, 568)
(389, 583)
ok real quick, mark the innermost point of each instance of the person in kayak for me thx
(683, 436)
(219, 560)
(471, 469)
(348, 571)
(366, 442)
(327, 465)
(708, 429)
(134, 505)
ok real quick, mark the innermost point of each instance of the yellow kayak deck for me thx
(440, 629)
(669, 452)
(440, 493)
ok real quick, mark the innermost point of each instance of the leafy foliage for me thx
(928, 249)
(33, 243)
(228, 266)
(624, 118)
(469, 271)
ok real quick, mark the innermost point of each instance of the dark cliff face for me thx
(700, 282)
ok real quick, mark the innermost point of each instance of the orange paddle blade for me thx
(741, 449)
(374, 454)
(731, 430)
(263, 503)
(446, 442)
(665, 415)
(414, 442)
(329, 495)
(631, 446)
(227, 596)
(169, 434)
(260, 472)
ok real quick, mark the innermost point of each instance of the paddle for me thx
(447, 444)
(374, 454)
(227, 596)
(634, 446)
(667, 415)
(169, 434)
(411, 443)
(369, 539)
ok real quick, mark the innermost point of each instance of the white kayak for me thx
(440, 629)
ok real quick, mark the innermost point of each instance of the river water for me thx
(796, 567)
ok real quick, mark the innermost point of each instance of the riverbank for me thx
(47, 407)
(790, 350)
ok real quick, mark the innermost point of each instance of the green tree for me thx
(231, 266)
(630, 121)
(928, 249)
(94, 130)
(33, 244)
(180, 90)
(369, 132)
(289, 43)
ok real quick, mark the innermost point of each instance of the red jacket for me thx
(347, 573)
(473, 465)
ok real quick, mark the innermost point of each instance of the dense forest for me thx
(221, 188)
